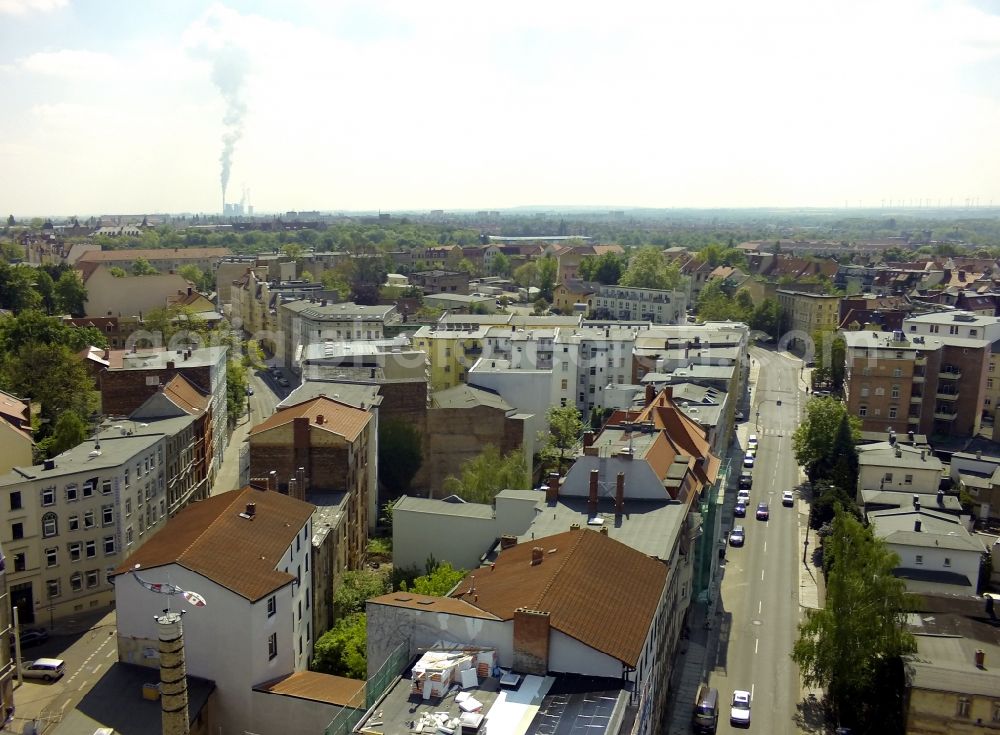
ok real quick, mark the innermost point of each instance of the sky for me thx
(117, 106)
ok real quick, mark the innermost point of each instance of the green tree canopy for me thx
(830, 358)
(648, 269)
(854, 644)
(766, 317)
(52, 375)
(118, 272)
(814, 439)
(714, 304)
(500, 265)
(547, 270)
(342, 650)
(70, 430)
(17, 288)
(32, 326)
(565, 429)
(438, 582)
(355, 588)
(71, 295)
(400, 454)
(142, 267)
(483, 476)
(526, 275)
(606, 268)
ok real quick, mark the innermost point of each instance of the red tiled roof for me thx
(211, 538)
(13, 408)
(183, 394)
(595, 589)
(153, 254)
(336, 417)
(318, 687)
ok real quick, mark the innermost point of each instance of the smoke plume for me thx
(229, 69)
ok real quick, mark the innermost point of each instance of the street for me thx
(758, 610)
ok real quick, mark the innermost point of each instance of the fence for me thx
(369, 692)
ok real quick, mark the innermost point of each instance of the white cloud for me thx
(70, 64)
(23, 7)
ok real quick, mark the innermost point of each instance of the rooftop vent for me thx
(250, 512)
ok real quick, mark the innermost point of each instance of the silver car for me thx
(47, 669)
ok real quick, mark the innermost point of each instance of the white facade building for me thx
(247, 552)
(894, 466)
(645, 304)
(963, 324)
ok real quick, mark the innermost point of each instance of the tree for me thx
(500, 265)
(526, 275)
(438, 581)
(118, 272)
(714, 304)
(813, 440)
(11, 221)
(854, 644)
(70, 430)
(483, 476)
(342, 650)
(369, 273)
(46, 289)
(830, 357)
(33, 327)
(197, 277)
(540, 306)
(142, 267)
(17, 288)
(293, 250)
(355, 588)
(52, 375)
(547, 270)
(648, 269)
(71, 295)
(399, 455)
(605, 268)
(565, 429)
(766, 317)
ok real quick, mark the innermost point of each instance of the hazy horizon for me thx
(119, 107)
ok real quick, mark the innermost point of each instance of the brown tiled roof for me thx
(14, 408)
(153, 254)
(336, 417)
(318, 687)
(185, 396)
(211, 539)
(428, 603)
(595, 589)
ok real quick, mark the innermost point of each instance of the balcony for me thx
(916, 400)
(951, 373)
(945, 414)
(918, 379)
(920, 360)
(946, 396)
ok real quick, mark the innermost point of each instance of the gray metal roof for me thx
(883, 454)
(947, 664)
(113, 452)
(444, 507)
(353, 394)
(937, 530)
(468, 396)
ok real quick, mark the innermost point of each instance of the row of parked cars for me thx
(737, 536)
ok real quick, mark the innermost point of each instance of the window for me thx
(16, 531)
(52, 588)
(88, 489)
(947, 561)
(126, 477)
(272, 606)
(75, 550)
(88, 519)
(73, 523)
(15, 500)
(897, 373)
(864, 390)
(76, 582)
(49, 496)
(20, 562)
(892, 412)
(973, 332)
(934, 329)
(106, 487)
(109, 545)
(964, 705)
(919, 559)
(907, 479)
(71, 493)
(300, 610)
(953, 329)
(128, 507)
(996, 711)
(888, 477)
(50, 525)
(564, 384)
(989, 382)
(272, 645)
(92, 578)
(52, 557)
(128, 536)
(107, 515)
(894, 393)
(880, 391)
(91, 548)
(862, 411)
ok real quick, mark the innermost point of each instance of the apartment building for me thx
(247, 552)
(16, 443)
(439, 281)
(6, 660)
(945, 324)
(641, 304)
(256, 299)
(808, 313)
(165, 260)
(307, 321)
(73, 518)
(930, 385)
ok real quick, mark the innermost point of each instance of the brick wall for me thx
(123, 391)
(531, 641)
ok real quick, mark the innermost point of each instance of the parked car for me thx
(737, 536)
(787, 499)
(748, 461)
(752, 441)
(751, 450)
(746, 479)
(743, 496)
(47, 669)
(30, 637)
(740, 511)
(739, 715)
(762, 512)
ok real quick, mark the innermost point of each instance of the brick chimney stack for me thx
(588, 439)
(552, 493)
(620, 494)
(173, 675)
(650, 393)
(592, 501)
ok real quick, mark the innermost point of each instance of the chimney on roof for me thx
(620, 494)
(507, 542)
(320, 418)
(189, 290)
(588, 439)
(911, 436)
(916, 502)
(940, 497)
(979, 454)
(537, 556)
(170, 364)
(301, 483)
(980, 658)
(899, 451)
(604, 530)
(251, 510)
(531, 641)
(174, 718)
(650, 393)
(923, 455)
(916, 525)
(272, 480)
(552, 489)
(592, 500)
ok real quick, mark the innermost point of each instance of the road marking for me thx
(761, 575)
(95, 669)
(755, 644)
(765, 547)
(110, 653)
(760, 605)
(751, 691)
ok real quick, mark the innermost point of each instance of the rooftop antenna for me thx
(174, 716)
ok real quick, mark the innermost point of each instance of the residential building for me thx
(165, 260)
(332, 446)
(936, 552)
(927, 384)
(808, 313)
(573, 296)
(16, 443)
(893, 466)
(526, 608)
(528, 390)
(247, 552)
(945, 324)
(393, 358)
(599, 357)
(71, 519)
(6, 660)
(115, 330)
(256, 303)
(991, 401)
(978, 474)
(456, 303)
(304, 322)
(134, 377)
(130, 297)
(645, 304)
(438, 281)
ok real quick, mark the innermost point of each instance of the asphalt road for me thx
(759, 590)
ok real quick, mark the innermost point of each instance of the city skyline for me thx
(119, 107)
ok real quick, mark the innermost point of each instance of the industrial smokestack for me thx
(173, 675)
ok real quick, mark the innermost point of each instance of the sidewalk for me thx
(228, 476)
